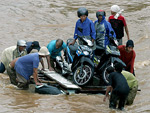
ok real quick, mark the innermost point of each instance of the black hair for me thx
(60, 41)
(110, 69)
(118, 67)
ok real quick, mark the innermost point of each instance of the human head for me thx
(110, 69)
(115, 9)
(82, 13)
(129, 45)
(43, 51)
(59, 43)
(35, 45)
(21, 45)
(100, 14)
(118, 67)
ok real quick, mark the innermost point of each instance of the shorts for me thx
(12, 75)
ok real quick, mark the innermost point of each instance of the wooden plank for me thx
(60, 79)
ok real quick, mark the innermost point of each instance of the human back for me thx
(119, 83)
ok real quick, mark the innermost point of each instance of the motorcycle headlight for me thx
(86, 52)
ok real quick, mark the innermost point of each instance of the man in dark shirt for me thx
(118, 23)
(118, 87)
(32, 45)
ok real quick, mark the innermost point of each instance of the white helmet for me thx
(21, 43)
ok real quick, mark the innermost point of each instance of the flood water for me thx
(46, 20)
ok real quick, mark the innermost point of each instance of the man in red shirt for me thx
(118, 23)
(127, 55)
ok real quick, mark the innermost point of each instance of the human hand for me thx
(38, 84)
(51, 69)
(104, 99)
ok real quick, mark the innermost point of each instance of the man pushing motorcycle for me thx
(55, 47)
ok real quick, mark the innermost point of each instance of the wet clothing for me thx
(85, 28)
(118, 25)
(22, 82)
(127, 58)
(12, 75)
(52, 49)
(8, 55)
(2, 68)
(120, 89)
(133, 85)
(25, 65)
(103, 30)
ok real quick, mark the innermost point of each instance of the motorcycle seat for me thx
(73, 49)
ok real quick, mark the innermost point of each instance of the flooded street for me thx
(46, 20)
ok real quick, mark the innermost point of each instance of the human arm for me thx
(35, 76)
(127, 32)
(73, 42)
(42, 63)
(49, 65)
(109, 89)
(131, 63)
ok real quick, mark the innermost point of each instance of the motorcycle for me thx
(105, 57)
(78, 57)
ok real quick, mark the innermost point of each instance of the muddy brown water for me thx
(46, 20)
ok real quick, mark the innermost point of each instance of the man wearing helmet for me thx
(84, 27)
(118, 23)
(103, 29)
(11, 53)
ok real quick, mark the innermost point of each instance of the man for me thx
(103, 29)
(118, 87)
(28, 65)
(11, 53)
(133, 85)
(118, 23)
(32, 45)
(127, 55)
(84, 28)
(55, 47)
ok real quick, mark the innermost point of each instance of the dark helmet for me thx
(82, 11)
(100, 12)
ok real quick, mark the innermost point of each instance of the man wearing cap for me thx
(11, 53)
(118, 23)
(127, 55)
(28, 65)
(32, 45)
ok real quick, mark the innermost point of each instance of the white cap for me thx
(115, 8)
(43, 51)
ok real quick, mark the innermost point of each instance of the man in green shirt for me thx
(133, 85)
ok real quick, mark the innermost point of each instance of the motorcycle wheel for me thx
(85, 77)
(105, 75)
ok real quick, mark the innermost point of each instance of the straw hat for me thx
(43, 51)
